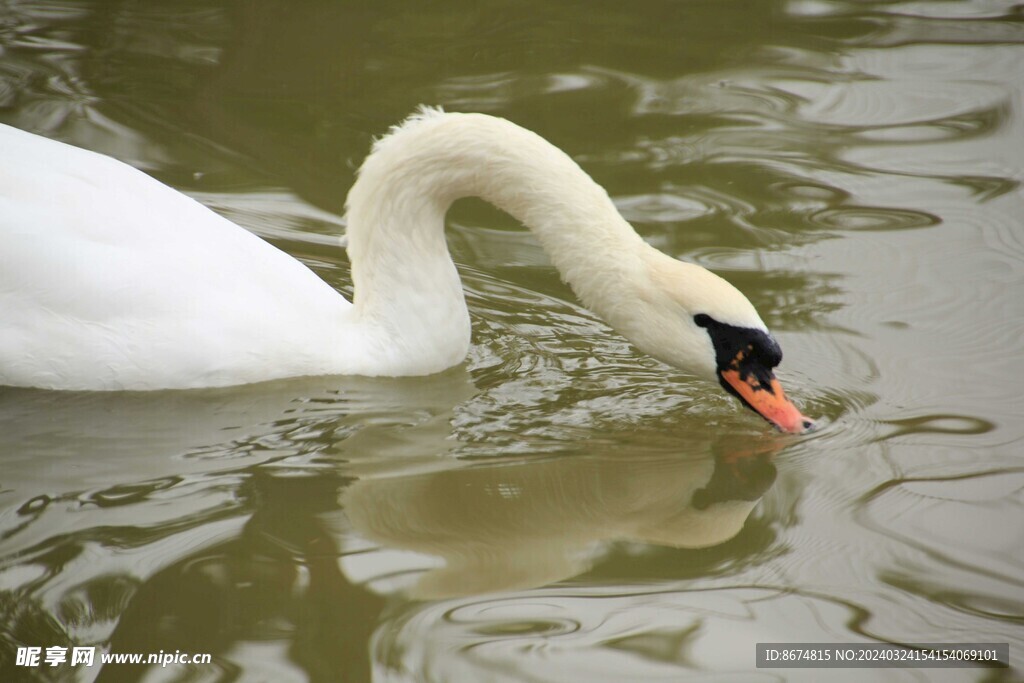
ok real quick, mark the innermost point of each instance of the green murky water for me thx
(559, 508)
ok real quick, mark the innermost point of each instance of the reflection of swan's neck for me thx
(534, 522)
(407, 291)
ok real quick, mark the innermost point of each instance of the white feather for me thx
(112, 280)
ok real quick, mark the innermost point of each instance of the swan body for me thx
(110, 280)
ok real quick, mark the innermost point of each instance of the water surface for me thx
(559, 508)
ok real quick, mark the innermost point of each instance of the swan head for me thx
(690, 318)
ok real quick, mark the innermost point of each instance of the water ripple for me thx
(799, 150)
(871, 218)
(937, 424)
(953, 521)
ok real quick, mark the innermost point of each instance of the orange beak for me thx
(766, 398)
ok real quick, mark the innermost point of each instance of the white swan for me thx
(110, 280)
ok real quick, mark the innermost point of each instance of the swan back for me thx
(111, 280)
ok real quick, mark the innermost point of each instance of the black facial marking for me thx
(747, 350)
(729, 340)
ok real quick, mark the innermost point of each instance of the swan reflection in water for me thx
(277, 528)
(473, 530)
(496, 528)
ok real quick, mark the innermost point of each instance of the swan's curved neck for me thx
(406, 286)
